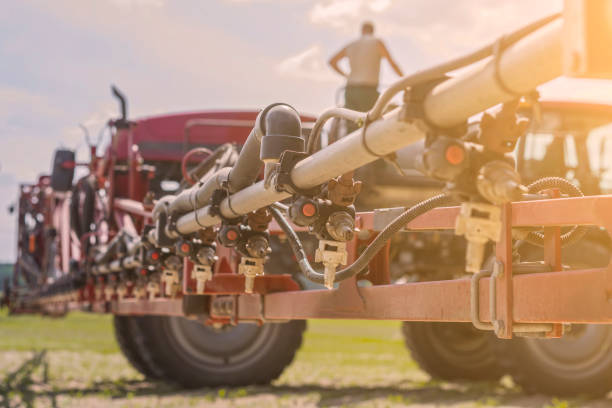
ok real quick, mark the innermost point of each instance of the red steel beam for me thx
(590, 210)
(570, 296)
(582, 296)
(167, 307)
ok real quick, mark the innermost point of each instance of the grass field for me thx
(75, 362)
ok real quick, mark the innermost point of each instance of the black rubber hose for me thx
(576, 232)
(371, 250)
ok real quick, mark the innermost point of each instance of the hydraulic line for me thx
(223, 156)
(577, 232)
(368, 254)
(429, 74)
(341, 113)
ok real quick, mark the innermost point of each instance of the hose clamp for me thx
(215, 205)
(283, 182)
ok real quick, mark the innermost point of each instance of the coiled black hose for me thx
(576, 232)
(366, 256)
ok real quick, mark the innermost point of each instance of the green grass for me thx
(76, 332)
(340, 363)
(80, 331)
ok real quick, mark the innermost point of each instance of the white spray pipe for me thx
(522, 67)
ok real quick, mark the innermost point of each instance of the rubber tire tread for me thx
(127, 333)
(159, 348)
(417, 338)
(516, 360)
(80, 223)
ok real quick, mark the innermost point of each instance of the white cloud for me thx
(346, 14)
(307, 65)
(439, 28)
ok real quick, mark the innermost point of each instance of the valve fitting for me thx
(304, 211)
(340, 226)
(257, 246)
(202, 270)
(170, 278)
(170, 275)
(343, 190)
(206, 255)
(331, 254)
(153, 289)
(229, 235)
(202, 274)
(121, 291)
(479, 223)
(498, 182)
(250, 267)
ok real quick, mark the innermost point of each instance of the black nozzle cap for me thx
(282, 128)
(272, 146)
(282, 119)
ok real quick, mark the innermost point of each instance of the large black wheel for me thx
(195, 355)
(451, 351)
(82, 205)
(127, 334)
(578, 363)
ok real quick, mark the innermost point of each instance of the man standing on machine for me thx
(364, 56)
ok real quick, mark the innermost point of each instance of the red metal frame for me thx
(578, 296)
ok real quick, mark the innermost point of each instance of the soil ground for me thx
(75, 362)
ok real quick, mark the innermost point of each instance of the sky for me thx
(58, 59)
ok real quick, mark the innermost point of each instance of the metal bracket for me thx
(224, 308)
(497, 326)
(215, 206)
(202, 274)
(283, 182)
(475, 298)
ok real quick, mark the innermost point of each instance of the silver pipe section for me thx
(248, 165)
(199, 195)
(242, 174)
(440, 70)
(407, 156)
(111, 247)
(245, 172)
(161, 206)
(525, 65)
(118, 265)
(522, 67)
(383, 136)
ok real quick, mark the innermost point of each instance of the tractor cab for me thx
(569, 140)
(159, 143)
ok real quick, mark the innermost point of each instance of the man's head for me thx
(367, 28)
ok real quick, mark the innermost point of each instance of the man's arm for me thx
(333, 62)
(385, 53)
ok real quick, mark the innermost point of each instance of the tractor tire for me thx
(82, 205)
(578, 363)
(194, 355)
(451, 351)
(127, 334)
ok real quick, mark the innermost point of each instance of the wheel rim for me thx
(228, 348)
(582, 351)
